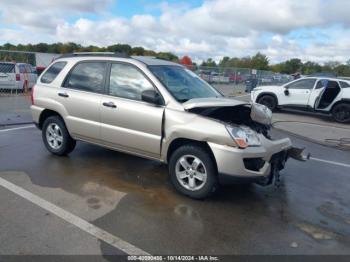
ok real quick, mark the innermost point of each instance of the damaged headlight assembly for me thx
(243, 136)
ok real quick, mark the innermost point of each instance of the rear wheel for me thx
(193, 171)
(268, 101)
(341, 112)
(56, 137)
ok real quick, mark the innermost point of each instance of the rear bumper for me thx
(36, 112)
(252, 162)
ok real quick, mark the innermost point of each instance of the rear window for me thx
(22, 69)
(52, 72)
(7, 68)
(344, 84)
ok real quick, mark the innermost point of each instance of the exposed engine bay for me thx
(255, 116)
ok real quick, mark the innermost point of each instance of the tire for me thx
(56, 136)
(206, 170)
(341, 112)
(269, 101)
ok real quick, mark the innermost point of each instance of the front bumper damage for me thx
(257, 164)
(278, 162)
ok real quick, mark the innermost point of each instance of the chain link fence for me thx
(233, 81)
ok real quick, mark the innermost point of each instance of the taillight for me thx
(18, 77)
(32, 95)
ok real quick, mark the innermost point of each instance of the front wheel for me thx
(341, 113)
(56, 137)
(193, 171)
(268, 101)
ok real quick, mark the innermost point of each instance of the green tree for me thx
(167, 56)
(260, 62)
(209, 63)
(120, 48)
(292, 66)
(138, 50)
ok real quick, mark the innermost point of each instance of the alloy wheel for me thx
(191, 172)
(54, 136)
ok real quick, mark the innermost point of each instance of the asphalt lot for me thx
(129, 200)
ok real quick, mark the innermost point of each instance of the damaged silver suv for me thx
(159, 110)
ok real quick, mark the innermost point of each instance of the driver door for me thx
(298, 92)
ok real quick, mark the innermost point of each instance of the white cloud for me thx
(214, 29)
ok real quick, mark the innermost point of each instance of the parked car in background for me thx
(219, 78)
(315, 94)
(205, 75)
(17, 76)
(159, 110)
(237, 78)
(39, 70)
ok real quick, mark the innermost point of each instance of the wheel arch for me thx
(46, 113)
(267, 93)
(180, 141)
(341, 101)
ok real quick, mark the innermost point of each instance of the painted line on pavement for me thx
(330, 162)
(74, 220)
(16, 128)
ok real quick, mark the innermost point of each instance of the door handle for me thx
(63, 94)
(109, 104)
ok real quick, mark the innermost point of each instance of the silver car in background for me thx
(158, 110)
(17, 76)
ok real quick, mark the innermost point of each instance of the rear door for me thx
(298, 92)
(127, 122)
(316, 92)
(7, 76)
(81, 97)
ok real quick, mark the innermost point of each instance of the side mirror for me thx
(151, 96)
(286, 91)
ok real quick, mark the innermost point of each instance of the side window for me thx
(344, 84)
(127, 82)
(332, 84)
(302, 84)
(321, 83)
(22, 69)
(52, 72)
(87, 76)
(7, 68)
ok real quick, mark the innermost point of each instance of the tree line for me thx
(258, 61)
(291, 66)
(70, 47)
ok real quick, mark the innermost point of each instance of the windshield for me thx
(182, 83)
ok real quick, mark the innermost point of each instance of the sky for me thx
(315, 30)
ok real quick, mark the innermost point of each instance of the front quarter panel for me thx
(182, 124)
(276, 90)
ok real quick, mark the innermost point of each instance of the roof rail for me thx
(110, 54)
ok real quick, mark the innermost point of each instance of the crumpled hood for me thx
(212, 102)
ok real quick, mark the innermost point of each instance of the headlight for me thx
(243, 136)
